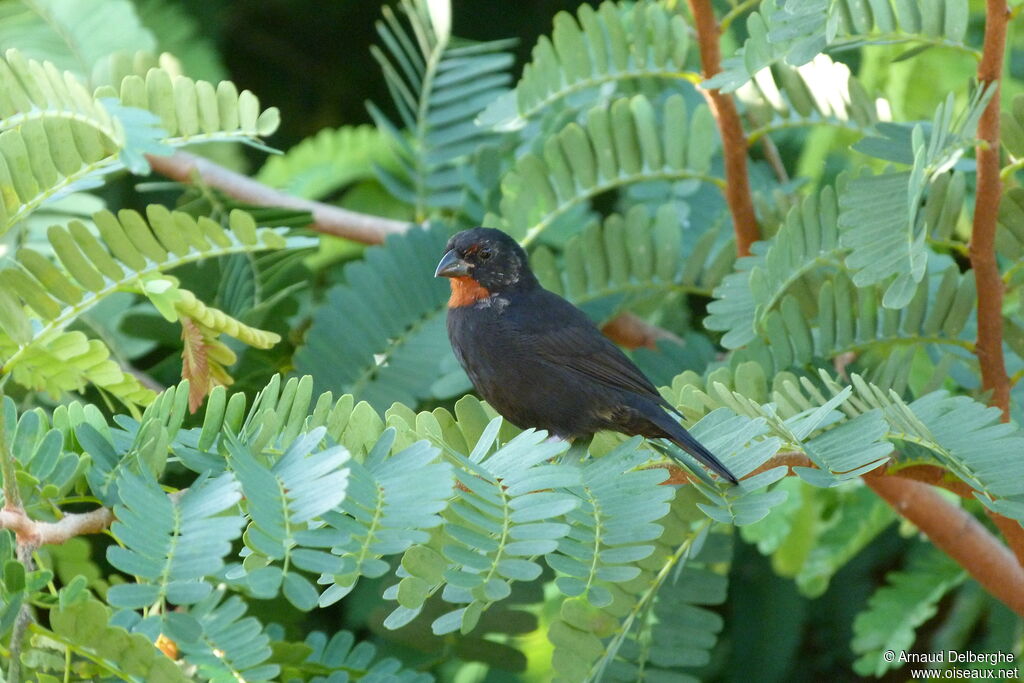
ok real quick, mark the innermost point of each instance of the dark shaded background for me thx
(312, 60)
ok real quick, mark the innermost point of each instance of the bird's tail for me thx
(682, 438)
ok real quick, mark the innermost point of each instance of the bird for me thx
(541, 362)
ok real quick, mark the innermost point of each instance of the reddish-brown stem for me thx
(950, 528)
(734, 140)
(1012, 531)
(989, 347)
(957, 533)
(630, 330)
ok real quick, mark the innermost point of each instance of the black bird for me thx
(539, 360)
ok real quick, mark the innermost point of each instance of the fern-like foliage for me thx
(896, 610)
(394, 293)
(439, 85)
(47, 469)
(605, 540)
(626, 639)
(850, 519)
(627, 141)
(392, 503)
(615, 45)
(171, 545)
(500, 521)
(819, 92)
(794, 32)
(42, 298)
(1010, 235)
(341, 656)
(613, 535)
(84, 628)
(308, 484)
(675, 634)
(75, 35)
(860, 431)
(820, 287)
(56, 136)
(880, 214)
(611, 266)
(848, 318)
(807, 240)
(333, 158)
(223, 643)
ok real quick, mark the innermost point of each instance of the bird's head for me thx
(482, 262)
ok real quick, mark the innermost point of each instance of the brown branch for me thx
(989, 347)
(952, 529)
(679, 475)
(1012, 531)
(35, 533)
(957, 533)
(734, 140)
(328, 219)
(630, 330)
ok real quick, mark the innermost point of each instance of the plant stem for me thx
(734, 140)
(986, 211)
(989, 347)
(957, 533)
(328, 219)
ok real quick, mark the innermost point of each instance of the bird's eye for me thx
(485, 254)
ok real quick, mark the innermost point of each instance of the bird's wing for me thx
(566, 338)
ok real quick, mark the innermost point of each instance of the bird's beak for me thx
(451, 266)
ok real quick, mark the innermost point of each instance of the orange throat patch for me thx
(466, 291)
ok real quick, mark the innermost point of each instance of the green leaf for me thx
(169, 544)
(396, 354)
(896, 610)
(440, 84)
(587, 55)
(602, 155)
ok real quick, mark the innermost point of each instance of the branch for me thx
(957, 533)
(35, 533)
(328, 219)
(989, 347)
(952, 529)
(630, 330)
(734, 140)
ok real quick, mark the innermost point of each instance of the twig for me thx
(33, 532)
(953, 530)
(328, 219)
(957, 533)
(630, 330)
(734, 141)
(989, 347)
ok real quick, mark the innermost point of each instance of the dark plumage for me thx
(538, 359)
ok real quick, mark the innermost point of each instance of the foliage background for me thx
(817, 589)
